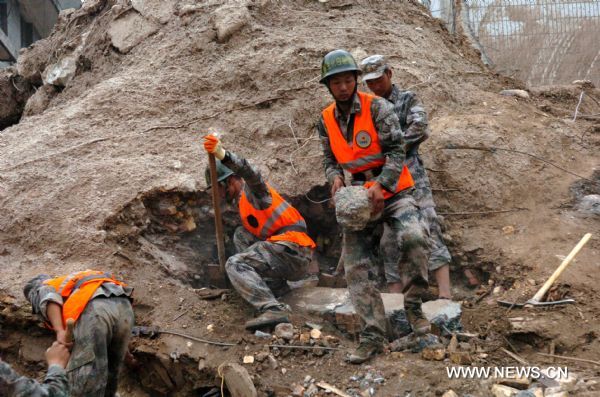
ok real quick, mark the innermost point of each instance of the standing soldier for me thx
(55, 384)
(413, 120)
(361, 134)
(272, 246)
(100, 305)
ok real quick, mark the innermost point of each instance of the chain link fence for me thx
(542, 42)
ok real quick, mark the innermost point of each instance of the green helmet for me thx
(223, 173)
(337, 61)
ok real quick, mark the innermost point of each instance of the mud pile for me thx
(105, 168)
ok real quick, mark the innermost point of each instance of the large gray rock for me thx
(238, 381)
(130, 30)
(352, 207)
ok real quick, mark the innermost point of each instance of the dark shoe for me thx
(364, 351)
(400, 325)
(270, 318)
(417, 320)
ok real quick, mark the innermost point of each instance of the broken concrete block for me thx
(229, 19)
(130, 30)
(284, 331)
(435, 352)
(39, 101)
(61, 72)
(238, 381)
(352, 207)
(158, 10)
(503, 391)
(519, 93)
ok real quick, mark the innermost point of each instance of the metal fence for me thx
(542, 42)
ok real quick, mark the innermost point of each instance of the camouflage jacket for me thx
(390, 138)
(412, 116)
(255, 187)
(13, 385)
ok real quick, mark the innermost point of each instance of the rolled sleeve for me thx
(40, 295)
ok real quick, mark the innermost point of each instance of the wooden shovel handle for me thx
(540, 294)
(69, 333)
(217, 208)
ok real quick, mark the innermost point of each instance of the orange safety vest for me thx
(77, 289)
(279, 222)
(365, 151)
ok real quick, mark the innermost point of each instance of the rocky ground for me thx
(105, 170)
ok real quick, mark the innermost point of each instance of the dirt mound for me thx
(89, 177)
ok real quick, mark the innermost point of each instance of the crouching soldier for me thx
(272, 246)
(100, 305)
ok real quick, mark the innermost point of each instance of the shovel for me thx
(537, 298)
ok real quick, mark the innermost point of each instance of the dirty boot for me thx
(415, 316)
(365, 350)
(269, 318)
(400, 325)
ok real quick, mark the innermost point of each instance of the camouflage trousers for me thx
(438, 254)
(260, 270)
(410, 234)
(101, 337)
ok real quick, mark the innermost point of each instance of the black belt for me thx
(366, 175)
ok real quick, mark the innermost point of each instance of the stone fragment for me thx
(284, 331)
(315, 334)
(159, 10)
(248, 360)
(304, 338)
(517, 383)
(503, 391)
(272, 361)
(450, 393)
(435, 352)
(518, 93)
(229, 19)
(61, 72)
(461, 358)
(239, 383)
(262, 356)
(39, 101)
(589, 204)
(129, 30)
(352, 207)
(298, 391)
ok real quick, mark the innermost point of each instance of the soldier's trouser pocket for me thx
(83, 376)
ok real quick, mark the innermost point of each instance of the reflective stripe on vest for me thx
(365, 151)
(279, 222)
(77, 289)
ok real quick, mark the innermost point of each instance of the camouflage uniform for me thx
(101, 336)
(413, 121)
(260, 270)
(400, 215)
(13, 385)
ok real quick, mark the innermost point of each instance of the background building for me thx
(24, 21)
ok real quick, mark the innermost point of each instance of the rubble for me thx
(61, 72)
(503, 391)
(284, 331)
(238, 380)
(518, 93)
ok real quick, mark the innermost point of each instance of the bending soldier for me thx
(101, 308)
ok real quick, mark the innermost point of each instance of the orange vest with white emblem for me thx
(77, 289)
(279, 222)
(365, 151)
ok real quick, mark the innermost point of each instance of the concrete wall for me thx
(41, 14)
